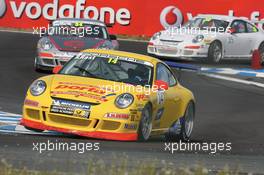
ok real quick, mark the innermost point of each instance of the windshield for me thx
(80, 30)
(207, 23)
(110, 67)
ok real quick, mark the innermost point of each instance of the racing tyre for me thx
(32, 129)
(261, 50)
(215, 52)
(36, 66)
(37, 69)
(182, 128)
(145, 125)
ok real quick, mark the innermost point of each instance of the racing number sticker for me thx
(113, 60)
(78, 24)
(160, 97)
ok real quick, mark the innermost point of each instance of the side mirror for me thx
(232, 31)
(56, 69)
(113, 37)
(161, 85)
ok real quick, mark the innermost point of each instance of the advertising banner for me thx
(129, 17)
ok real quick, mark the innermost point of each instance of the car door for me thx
(252, 33)
(170, 99)
(237, 42)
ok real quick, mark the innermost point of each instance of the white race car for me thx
(67, 37)
(211, 37)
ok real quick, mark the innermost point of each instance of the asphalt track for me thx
(226, 112)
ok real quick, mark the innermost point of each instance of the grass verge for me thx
(99, 167)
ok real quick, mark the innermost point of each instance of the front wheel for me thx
(145, 125)
(261, 50)
(183, 127)
(36, 66)
(215, 52)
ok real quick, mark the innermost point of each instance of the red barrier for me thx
(131, 17)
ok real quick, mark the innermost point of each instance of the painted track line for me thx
(237, 80)
(9, 114)
(214, 73)
(9, 119)
(18, 129)
(230, 71)
(9, 123)
(14, 117)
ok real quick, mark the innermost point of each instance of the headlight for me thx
(38, 87)
(198, 39)
(124, 100)
(46, 45)
(156, 36)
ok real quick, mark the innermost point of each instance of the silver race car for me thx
(210, 37)
(66, 37)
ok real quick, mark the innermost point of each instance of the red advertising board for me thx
(131, 17)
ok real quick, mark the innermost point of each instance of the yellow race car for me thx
(111, 95)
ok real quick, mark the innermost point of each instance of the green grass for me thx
(100, 168)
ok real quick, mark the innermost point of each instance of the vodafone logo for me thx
(2, 7)
(53, 10)
(171, 16)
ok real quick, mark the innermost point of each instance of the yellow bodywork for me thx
(101, 123)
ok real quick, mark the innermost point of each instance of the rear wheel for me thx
(215, 52)
(183, 127)
(145, 126)
(261, 50)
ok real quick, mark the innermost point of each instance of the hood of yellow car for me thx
(84, 89)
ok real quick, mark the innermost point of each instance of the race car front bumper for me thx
(97, 125)
(185, 51)
(47, 61)
(92, 134)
